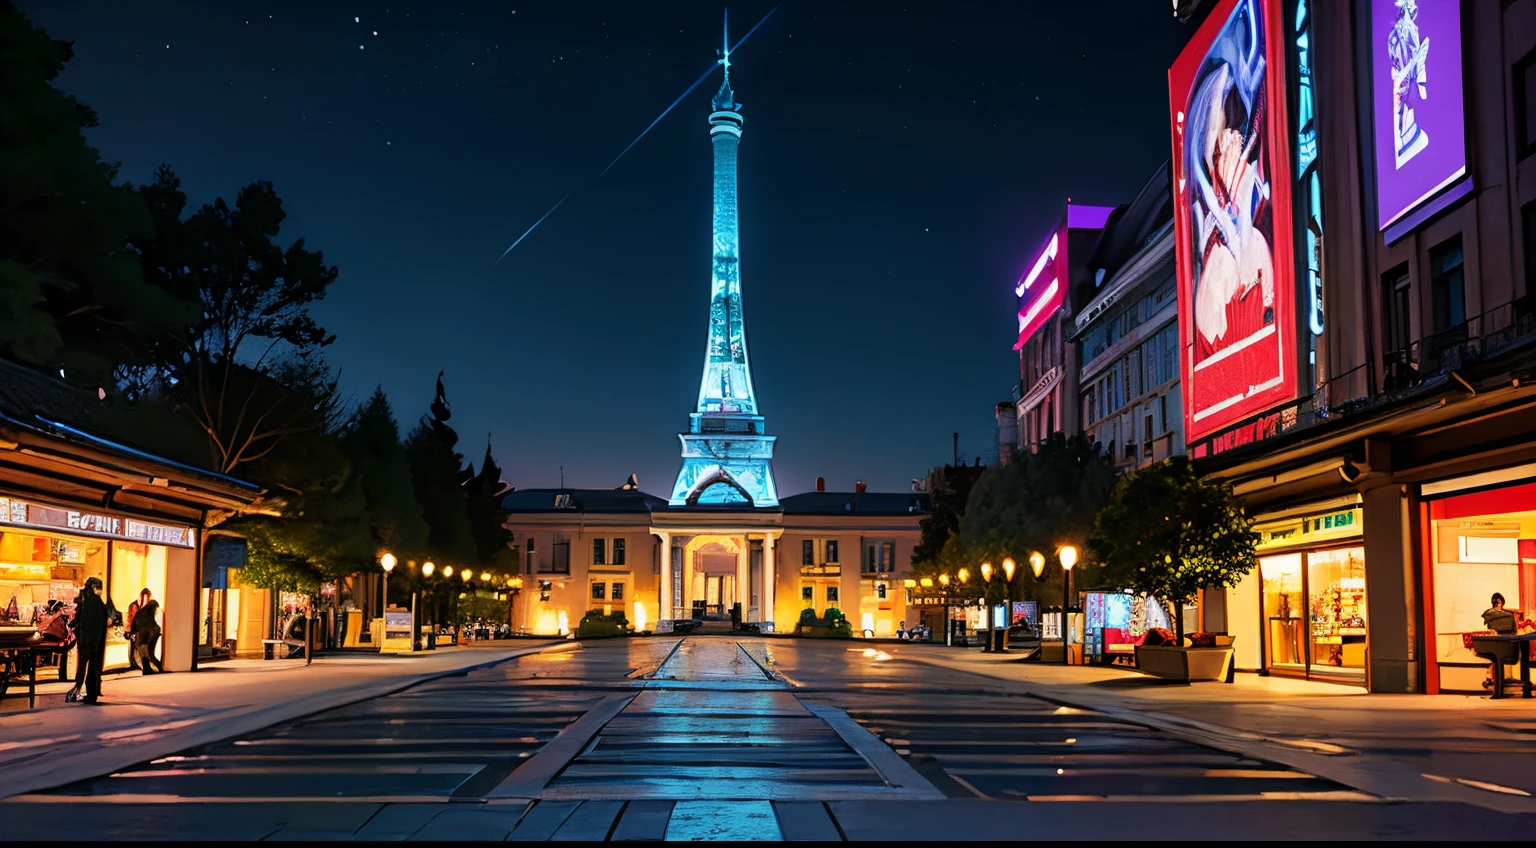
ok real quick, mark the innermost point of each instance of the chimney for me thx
(821, 484)
(859, 487)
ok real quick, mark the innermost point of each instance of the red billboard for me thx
(1232, 217)
(1042, 288)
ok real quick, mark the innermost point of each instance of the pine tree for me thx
(439, 475)
(493, 541)
(371, 442)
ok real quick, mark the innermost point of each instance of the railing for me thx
(1490, 334)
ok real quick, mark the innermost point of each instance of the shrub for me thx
(594, 623)
(807, 617)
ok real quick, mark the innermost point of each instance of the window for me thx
(561, 558)
(597, 591)
(529, 553)
(618, 553)
(1446, 284)
(1525, 104)
(808, 552)
(618, 592)
(831, 594)
(879, 557)
(807, 593)
(832, 551)
(1396, 297)
(880, 590)
(1528, 236)
(599, 552)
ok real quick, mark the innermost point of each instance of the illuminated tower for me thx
(726, 457)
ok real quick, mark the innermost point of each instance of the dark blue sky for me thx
(900, 163)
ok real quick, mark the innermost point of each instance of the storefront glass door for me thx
(1284, 626)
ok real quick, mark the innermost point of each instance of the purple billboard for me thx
(1416, 99)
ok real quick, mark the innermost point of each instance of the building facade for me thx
(724, 545)
(1127, 335)
(1045, 399)
(74, 506)
(1357, 337)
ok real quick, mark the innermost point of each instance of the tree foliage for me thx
(72, 295)
(1037, 501)
(948, 489)
(439, 476)
(371, 442)
(238, 369)
(1168, 532)
(488, 521)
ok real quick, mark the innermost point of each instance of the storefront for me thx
(48, 552)
(1302, 612)
(1479, 540)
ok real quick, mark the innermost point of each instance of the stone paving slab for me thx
(806, 821)
(143, 718)
(643, 820)
(591, 822)
(723, 821)
(540, 823)
(398, 822)
(469, 822)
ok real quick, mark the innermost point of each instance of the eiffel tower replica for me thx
(727, 459)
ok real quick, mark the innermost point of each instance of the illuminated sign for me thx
(1416, 101)
(1043, 288)
(24, 513)
(1342, 524)
(1232, 218)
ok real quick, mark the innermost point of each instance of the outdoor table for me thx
(1523, 641)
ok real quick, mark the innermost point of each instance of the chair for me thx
(1501, 654)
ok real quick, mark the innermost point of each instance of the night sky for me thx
(901, 163)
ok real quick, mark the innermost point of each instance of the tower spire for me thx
(725, 99)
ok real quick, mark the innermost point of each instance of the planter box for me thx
(1187, 664)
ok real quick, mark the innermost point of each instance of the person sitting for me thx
(1504, 623)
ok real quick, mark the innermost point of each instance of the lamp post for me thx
(964, 576)
(1009, 566)
(457, 625)
(516, 585)
(1068, 556)
(388, 563)
(1037, 565)
(416, 607)
(986, 605)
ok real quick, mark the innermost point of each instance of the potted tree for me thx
(1167, 532)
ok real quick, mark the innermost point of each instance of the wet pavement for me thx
(711, 738)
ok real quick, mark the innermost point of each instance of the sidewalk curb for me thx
(87, 763)
(1378, 778)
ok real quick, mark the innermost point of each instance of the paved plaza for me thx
(714, 737)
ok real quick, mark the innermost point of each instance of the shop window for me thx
(599, 591)
(599, 552)
(808, 552)
(1446, 284)
(832, 558)
(618, 552)
(1336, 604)
(618, 592)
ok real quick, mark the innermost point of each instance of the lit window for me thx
(832, 551)
(618, 592)
(598, 591)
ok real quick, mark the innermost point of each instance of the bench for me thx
(1186, 663)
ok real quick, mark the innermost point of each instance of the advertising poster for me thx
(1416, 101)
(1043, 288)
(1027, 612)
(397, 632)
(1232, 218)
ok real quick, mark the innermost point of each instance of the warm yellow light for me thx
(640, 618)
(927, 582)
(909, 583)
(388, 561)
(1037, 563)
(517, 582)
(964, 574)
(986, 572)
(467, 575)
(943, 579)
(427, 568)
(1009, 566)
(1068, 556)
(485, 576)
(447, 571)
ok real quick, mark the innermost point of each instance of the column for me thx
(744, 576)
(1391, 586)
(765, 609)
(664, 613)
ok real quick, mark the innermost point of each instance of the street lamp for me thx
(426, 571)
(388, 563)
(1068, 556)
(1037, 564)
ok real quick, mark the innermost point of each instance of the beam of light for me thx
(531, 229)
(696, 84)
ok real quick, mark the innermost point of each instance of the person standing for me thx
(133, 646)
(92, 616)
(146, 632)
